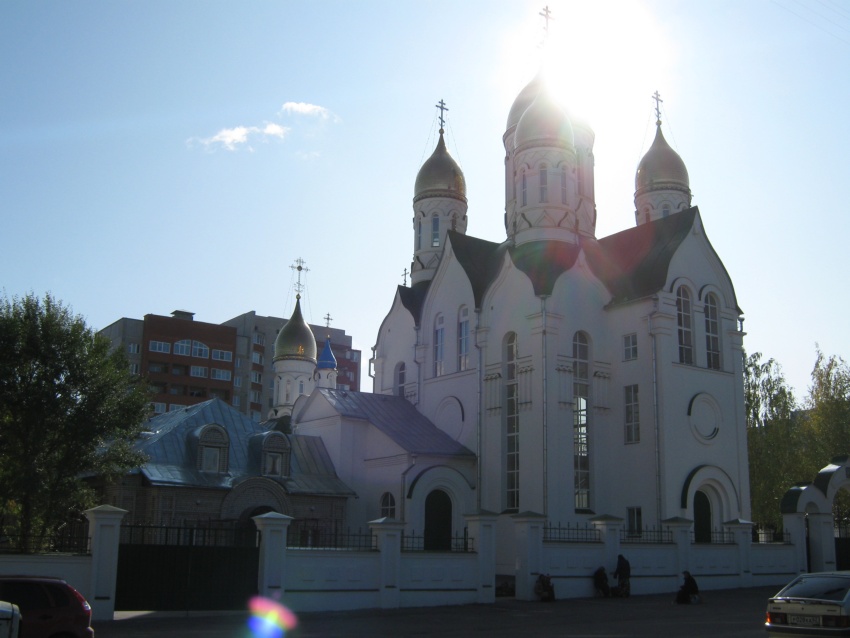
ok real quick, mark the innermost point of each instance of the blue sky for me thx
(167, 155)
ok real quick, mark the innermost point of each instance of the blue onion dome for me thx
(295, 340)
(661, 168)
(544, 123)
(327, 360)
(440, 176)
(524, 99)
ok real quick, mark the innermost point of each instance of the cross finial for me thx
(443, 108)
(405, 274)
(327, 319)
(547, 16)
(657, 97)
(300, 266)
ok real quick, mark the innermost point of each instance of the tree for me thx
(68, 408)
(773, 437)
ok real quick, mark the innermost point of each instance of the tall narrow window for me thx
(463, 339)
(419, 234)
(387, 505)
(632, 414)
(630, 351)
(524, 189)
(581, 395)
(439, 345)
(399, 380)
(563, 185)
(686, 336)
(435, 231)
(712, 333)
(511, 424)
(544, 184)
(634, 519)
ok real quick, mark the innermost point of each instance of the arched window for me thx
(563, 185)
(399, 380)
(435, 231)
(712, 333)
(511, 423)
(387, 505)
(212, 450)
(544, 184)
(463, 339)
(581, 396)
(524, 189)
(419, 234)
(665, 210)
(439, 345)
(685, 323)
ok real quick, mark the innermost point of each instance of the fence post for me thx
(482, 528)
(528, 533)
(105, 535)
(389, 532)
(743, 534)
(681, 528)
(822, 541)
(272, 569)
(795, 523)
(609, 532)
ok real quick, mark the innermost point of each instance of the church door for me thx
(702, 518)
(438, 521)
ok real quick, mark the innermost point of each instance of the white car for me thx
(811, 605)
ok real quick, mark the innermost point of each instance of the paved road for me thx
(737, 613)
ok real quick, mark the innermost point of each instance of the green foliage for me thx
(68, 409)
(773, 438)
(828, 406)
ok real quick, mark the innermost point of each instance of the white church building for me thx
(554, 376)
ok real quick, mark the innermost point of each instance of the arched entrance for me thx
(702, 517)
(438, 521)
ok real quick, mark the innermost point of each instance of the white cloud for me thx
(302, 108)
(239, 136)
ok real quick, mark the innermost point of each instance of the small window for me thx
(632, 414)
(258, 358)
(563, 185)
(256, 377)
(524, 189)
(435, 231)
(255, 396)
(630, 350)
(387, 505)
(222, 355)
(273, 464)
(200, 350)
(134, 368)
(198, 371)
(399, 379)
(133, 348)
(211, 457)
(160, 346)
(183, 347)
(159, 408)
(237, 382)
(157, 368)
(220, 375)
(685, 326)
(259, 338)
(178, 371)
(463, 339)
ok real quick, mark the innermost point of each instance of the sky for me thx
(165, 155)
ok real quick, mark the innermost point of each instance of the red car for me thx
(49, 607)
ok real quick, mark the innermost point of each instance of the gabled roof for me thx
(479, 259)
(398, 419)
(634, 263)
(170, 444)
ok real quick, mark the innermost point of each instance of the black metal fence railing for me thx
(207, 536)
(70, 538)
(714, 537)
(764, 536)
(646, 535)
(426, 543)
(303, 538)
(570, 534)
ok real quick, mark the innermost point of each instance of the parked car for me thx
(815, 604)
(50, 607)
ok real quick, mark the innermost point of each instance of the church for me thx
(555, 373)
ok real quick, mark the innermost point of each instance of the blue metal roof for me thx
(398, 419)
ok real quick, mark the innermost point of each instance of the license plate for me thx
(804, 621)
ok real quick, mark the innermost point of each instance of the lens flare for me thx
(270, 619)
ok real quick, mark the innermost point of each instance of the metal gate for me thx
(186, 569)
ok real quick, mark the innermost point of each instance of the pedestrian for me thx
(600, 583)
(689, 591)
(544, 588)
(623, 574)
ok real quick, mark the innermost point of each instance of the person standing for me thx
(689, 591)
(623, 574)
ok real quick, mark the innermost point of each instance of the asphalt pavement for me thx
(734, 613)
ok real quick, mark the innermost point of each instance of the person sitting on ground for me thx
(544, 589)
(600, 583)
(688, 592)
(623, 574)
